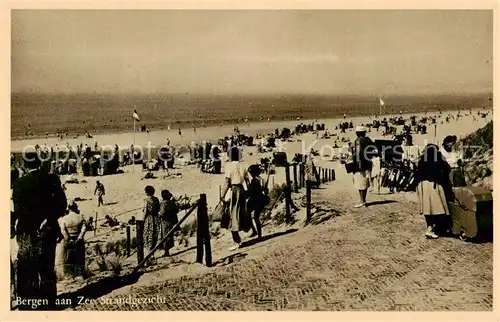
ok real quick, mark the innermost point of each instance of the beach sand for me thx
(125, 192)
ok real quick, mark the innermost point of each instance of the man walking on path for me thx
(39, 201)
(362, 157)
(99, 189)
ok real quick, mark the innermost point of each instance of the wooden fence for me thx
(295, 181)
(323, 175)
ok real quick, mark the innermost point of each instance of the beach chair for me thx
(472, 213)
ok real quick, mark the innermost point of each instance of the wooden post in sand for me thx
(295, 179)
(95, 224)
(288, 192)
(302, 175)
(308, 201)
(128, 240)
(203, 233)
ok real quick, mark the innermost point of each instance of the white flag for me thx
(381, 102)
(135, 116)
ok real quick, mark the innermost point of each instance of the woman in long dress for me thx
(168, 219)
(151, 219)
(70, 252)
(434, 190)
(237, 182)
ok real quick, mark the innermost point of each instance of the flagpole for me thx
(133, 150)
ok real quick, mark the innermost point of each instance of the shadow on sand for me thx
(254, 241)
(381, 202)
(96, 290)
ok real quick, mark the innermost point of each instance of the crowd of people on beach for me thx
(436, 171)
(50, 230)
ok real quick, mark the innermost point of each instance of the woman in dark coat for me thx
(256, 202)
(168, 219)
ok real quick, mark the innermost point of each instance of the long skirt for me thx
(432, 199)
(239, 218)
(165, 227)
(151, 229)
(362, 179)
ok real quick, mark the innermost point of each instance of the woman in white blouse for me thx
(237, 181)
(454, 159)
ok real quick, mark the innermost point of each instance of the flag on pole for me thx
(135, 116)
(381, 102)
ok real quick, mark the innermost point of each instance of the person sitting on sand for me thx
(110, 221)
(434, 190)
(363, 161)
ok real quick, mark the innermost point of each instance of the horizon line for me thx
(463, 93)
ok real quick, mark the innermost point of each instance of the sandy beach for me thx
(124, 192)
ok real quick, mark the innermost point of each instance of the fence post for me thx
(295, 179)
(95, 223)
(302, 175)
(288, 191)
(333, 174)
(128, 240)
(203, 233)
(308, 201)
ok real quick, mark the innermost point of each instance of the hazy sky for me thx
(332, 52)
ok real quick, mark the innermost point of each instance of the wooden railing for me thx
(202, 234)
(323, 175)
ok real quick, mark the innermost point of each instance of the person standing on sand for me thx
(376, 173)
(180, 133)
(99, 190)
(151, 219)
(434, 190)
(71, 249)
(38, 202)
(257, 192)
(362, 157)
(236, 182)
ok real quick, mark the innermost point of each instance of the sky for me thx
(252, 52)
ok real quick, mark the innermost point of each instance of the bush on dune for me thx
(479, 141)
